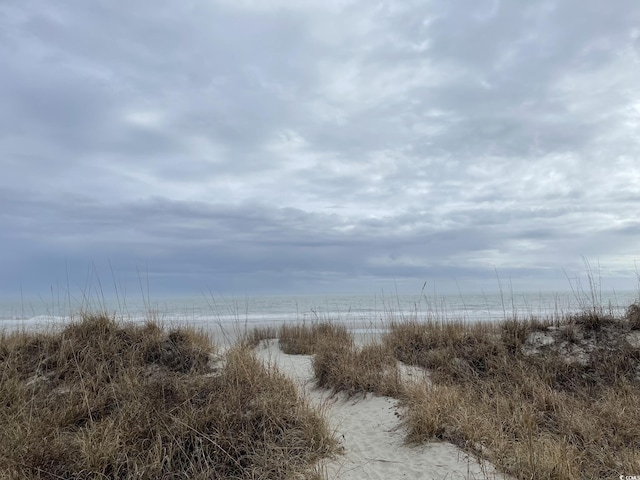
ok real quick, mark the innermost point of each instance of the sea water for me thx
(359, 311)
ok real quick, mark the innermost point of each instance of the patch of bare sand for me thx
(369, 431)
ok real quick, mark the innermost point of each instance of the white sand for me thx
(370, 433)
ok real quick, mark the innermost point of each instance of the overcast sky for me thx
(282, 146)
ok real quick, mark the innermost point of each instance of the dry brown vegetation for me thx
(104, 400)
(540, 399)
(351, 369)
(251, 338)
(100, 399)
(339, 364)
(306, 339)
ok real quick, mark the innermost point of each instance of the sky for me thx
(292, 146)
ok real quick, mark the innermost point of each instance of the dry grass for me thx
(338, 363)
(103, 400)
(305, 339)
(539, 400)
(351, 369)
(253, 337)
(633, 316)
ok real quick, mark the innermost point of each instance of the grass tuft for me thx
(339, 364)
(101, 399)
(535, 402)
(592, 320)
(305, 339)
(354, 370)
(633, 316)
(253, 337)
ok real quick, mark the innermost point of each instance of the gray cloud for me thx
(281, 146)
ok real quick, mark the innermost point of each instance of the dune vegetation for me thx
(103, 400)
(539, 399)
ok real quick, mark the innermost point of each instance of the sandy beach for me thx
(370, 433)
(539, 399)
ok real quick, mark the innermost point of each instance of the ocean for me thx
(358, 311)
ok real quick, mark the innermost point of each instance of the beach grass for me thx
(538, 398)
(538, 402)
(309, 338)
(357, 369)
(338, 363)
(99, 399)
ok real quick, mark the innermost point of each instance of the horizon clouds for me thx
(285, 147)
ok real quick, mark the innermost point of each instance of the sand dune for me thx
(370, 433)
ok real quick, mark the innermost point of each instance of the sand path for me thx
(369, 431)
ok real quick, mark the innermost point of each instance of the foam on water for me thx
(358, 311)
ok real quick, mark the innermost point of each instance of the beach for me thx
(406, 398)
(369, 430)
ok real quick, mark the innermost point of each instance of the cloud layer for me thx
(287, 146)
